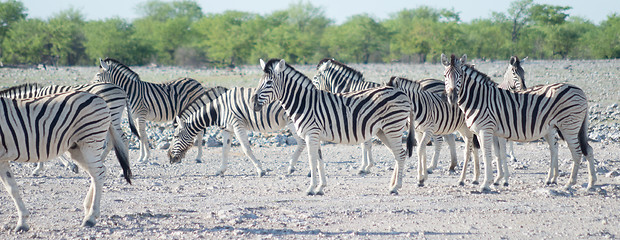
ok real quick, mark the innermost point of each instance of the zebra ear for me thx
(444, 60)
(514, 60)
(280, 66)
(262, 64)
(325, 65)
(463, 59)
(103, 65)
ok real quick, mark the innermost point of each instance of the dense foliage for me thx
(179, 33)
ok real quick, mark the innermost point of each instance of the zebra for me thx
(42, 128)
(514, 80)
(433, 115)
(114, 96)
(541, 111)
(159, 102)
(233, 113)
(211, 93)
(337, 77)
(348, 118)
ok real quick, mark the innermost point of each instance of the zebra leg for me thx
(438, 140)
(40, 166)
(394, 143)
(371, 162)
(423, 139)
(301, 144)
(552, 176)
(312, 143)
(512, 151)
(87, 157)
(467, 155)
(69, 164)
(144, 141)
(225, 150)
(449, 138)
(242, 135)
(11, 186)
(198, 143)
(502, 164)
(486, 145)
(366, 157)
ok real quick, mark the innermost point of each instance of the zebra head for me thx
(266, 93)
(514, 77)
(320, 78)
(103, 74)
(453, 76)
(181, 142)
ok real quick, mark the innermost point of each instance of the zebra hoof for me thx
(485, 190)
(496, 184)
(88, 223)
(24, 228)
(429, 171)
(475, 183)
(421, 184)
(198, 161)
(291, 171)
(394, 192)
(461, 184)
(362, 172)
(505, 184)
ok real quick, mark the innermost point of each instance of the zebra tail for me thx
(122, 153)
(410, 138)
(132, 124)
(583, 137)
(476, 142)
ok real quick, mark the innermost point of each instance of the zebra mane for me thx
(303, 80)
(343, 66)
(481, 77)
(20, 87)
(116, 65)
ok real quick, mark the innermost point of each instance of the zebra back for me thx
(42, 128)
(153, 101)
(26, 90)
(514, 77)
(337, 77)
(210, 94)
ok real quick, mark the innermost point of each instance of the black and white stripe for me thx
(113, 95)
(349, 118)
(159, 102)
(39, 129)
(514, 80)
(337, 77)
(541, 111)
(233, 113)
(433, 115)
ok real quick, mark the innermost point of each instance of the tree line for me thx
(180, 33)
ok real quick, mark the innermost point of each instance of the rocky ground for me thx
(186, 200)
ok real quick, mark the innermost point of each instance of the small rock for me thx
(612, 174)
(163, 145)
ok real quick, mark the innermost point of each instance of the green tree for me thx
(605, 40)
(357, 40)
(27, 41)
(67, 37)
(11, 11)
(166, 27)
(228, 38)
(115, 38)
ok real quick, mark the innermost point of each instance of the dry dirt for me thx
(186, 200)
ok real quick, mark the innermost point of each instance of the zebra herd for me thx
(337, 105)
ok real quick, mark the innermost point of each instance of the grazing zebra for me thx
(232, 112)
(433, 115)
(159, 102)
(39, 129)
(541, 111)
(514, 80)
(114, 96)
(211, 94)
(337, 77)
(349, 118)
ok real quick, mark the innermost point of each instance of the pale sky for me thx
(337, 10)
